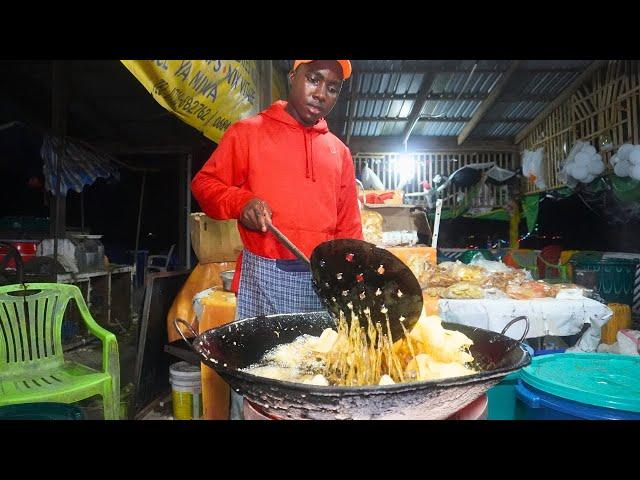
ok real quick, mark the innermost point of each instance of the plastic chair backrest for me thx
(586, 256)
(169, 255)
(31, 325)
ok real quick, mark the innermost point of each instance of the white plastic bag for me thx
(370, 180)
(500, 175)
(399, 237)
(489, 265)
(626, 161)
(533, 167)
(628, 343)
(583, 164)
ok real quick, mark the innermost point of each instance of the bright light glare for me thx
(406, 168)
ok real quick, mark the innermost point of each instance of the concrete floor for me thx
(91, 355)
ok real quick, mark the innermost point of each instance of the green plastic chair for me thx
(32, 364)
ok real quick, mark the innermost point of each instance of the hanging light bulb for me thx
(406, 167)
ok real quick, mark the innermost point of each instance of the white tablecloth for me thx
(547, 316)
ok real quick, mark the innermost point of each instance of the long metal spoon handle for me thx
(285, 241)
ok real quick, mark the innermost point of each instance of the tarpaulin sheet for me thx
(547, 316)
(81, 164)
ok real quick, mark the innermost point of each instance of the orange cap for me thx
(345, 64)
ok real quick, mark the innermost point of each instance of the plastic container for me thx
(89, 255)
(537, 405)
(227, 279)
(26, 248)
(586, 256)
(186, 392)
(547, 351)
(41, 411)
(502, 399)
(615, 277)
(620, 320)
(595, 386)
(503, 404)
(214, 307)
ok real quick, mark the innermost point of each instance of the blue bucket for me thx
(503, 404)
(569, 386)
(539, 405)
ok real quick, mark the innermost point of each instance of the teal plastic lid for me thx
(600, 379)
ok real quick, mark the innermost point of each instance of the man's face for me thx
(314, 90)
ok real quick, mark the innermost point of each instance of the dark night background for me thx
(111, 207)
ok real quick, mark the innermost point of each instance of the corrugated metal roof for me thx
(456, 92)
(448, 108)
(389, 83)
(515, 110)
(550, 83)
(438, 128)
(454, 82)
(554, 64)
(378, 128)
(503, 129)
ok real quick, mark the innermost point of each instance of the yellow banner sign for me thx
(209, 95)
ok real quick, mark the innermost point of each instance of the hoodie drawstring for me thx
(309, 155)
(313, 173)
(306, 152)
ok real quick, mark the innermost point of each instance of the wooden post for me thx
(514, 224)
(59, 115)
(82, 211)
(135, 252)
(265, 73)
(187, 215)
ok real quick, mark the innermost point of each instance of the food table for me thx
(547, 316)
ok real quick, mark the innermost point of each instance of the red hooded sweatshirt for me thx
(305, 174)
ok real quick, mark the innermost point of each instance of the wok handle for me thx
(515, 320)
(175, 324)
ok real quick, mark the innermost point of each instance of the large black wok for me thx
(242, 343)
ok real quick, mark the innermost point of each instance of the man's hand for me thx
(256, 215)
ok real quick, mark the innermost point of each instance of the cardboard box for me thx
(214, 240)
(400, 218)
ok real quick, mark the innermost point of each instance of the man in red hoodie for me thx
(284, 166)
